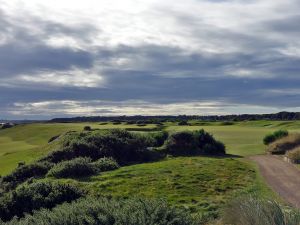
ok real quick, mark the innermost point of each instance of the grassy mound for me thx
(201, 184)
(284, 144)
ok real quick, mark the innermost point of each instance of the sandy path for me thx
(284, 178)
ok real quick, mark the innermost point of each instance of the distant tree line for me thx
(159, 119)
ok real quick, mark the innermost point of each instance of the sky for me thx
(65, 58)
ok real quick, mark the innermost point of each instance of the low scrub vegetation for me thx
(270, 138)
(125, 147)
(254, 211)
(78, 167)
(23, 173)
(109, 212)
(284, 144)
(188, 143)
(157, 139)
(82, 167)
(35, 196)
(105, 164)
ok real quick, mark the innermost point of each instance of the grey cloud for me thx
(26, 53)
(158, 74)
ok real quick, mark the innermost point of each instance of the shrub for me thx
(119, 144)
(181, 143)
(35, 196)
(25, 172)
(87, 128)
(78, 167)
(105, 164)
(110, 212)
(284, 144)
(253, 211)
(158, 138)
(187, 143)
(270, 138)
(207, 144)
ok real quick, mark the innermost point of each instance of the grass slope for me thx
(201, 184)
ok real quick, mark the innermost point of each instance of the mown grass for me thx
(242, 138)
(201, 184)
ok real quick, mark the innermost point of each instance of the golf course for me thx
(200, 184)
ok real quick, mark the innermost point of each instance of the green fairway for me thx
(239, 140)
(27, 142)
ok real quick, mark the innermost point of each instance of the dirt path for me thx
(284, 178)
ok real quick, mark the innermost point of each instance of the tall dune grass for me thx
(285, 144)
(254, 211)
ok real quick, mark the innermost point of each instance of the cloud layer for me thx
(64, 58)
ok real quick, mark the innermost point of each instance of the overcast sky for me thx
(114, 57)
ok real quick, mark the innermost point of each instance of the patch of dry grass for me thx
(285, 144)
(294, 154)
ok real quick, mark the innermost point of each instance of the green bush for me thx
(78, 167)
(270, 138)
(188, 143)
(82, 167)
(253, 211)
(87, 128)
(155, 139)
(27, 198)
(110, 212)
(105, 164)
(25, 172)
(119, 144)
(181, 143)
